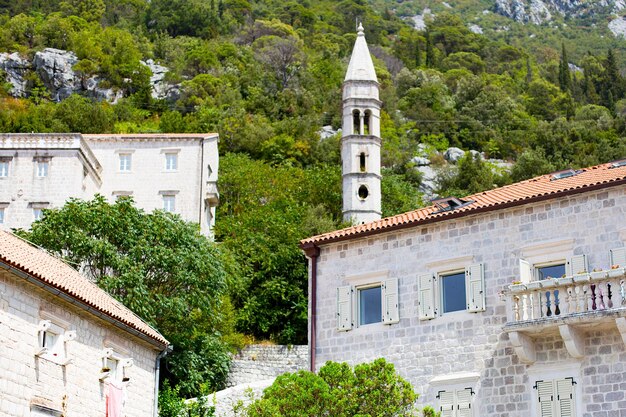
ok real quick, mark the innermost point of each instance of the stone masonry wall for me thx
(460, 343)
(260, 362)
(75, 388)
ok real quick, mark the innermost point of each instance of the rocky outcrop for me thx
(618, 27)
(541, 11)
(15, 68)
(55, 68)
(161, 88)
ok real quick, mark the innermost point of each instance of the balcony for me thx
(212, 196)
(567, 306)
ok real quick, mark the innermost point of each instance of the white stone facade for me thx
(70, 386)
(490, 360)
(174, 171)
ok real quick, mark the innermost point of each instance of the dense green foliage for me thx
(367, 390)
(159, 266)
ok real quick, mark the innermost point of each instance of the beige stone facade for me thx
(538, 348)
(56, 345)
(175, 172)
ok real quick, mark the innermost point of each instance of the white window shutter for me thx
(525, 271)
(344, 308)
(426, 293)
(475, 288)
(565, 397)
(618, 257)
(545, 392)
(464, 402)
(576, 264)
(446, 403)
(389, 293)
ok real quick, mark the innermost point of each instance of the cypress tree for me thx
(430, 54)
(529, 71)
(418, 55)
(565, 78)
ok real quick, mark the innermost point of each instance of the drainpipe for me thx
(313, 252)
(157, 371)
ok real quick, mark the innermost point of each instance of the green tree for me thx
(338, 390)
(565, 77)
(472, 175)
(157, 265)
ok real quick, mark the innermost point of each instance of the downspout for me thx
(313, 252)
(202, 182)
(157, 371)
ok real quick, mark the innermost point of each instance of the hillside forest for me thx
(266, 75)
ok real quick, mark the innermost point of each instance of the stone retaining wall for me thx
(261, 362)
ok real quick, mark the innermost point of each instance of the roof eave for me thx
(309, 243)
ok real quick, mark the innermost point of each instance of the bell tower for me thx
(360, 141)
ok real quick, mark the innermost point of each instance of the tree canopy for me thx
(157, 265)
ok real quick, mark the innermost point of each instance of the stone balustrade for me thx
(572, 295)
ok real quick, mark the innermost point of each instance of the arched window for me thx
(356, 122)
(362, 167)
(367, 120)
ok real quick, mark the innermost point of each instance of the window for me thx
(453, 296)
(375, 302)
(1, 215)
(37, 213)
(42, 169)
(556, 268)
(363, 192)
(456, 403)
(4, 169)
(370, 305)
(169, 203)
(52, 338)
(550, 271)
(451, 291)
(171, 161)
(114, 366)
(362, 166)
(125, 162)
(556, 397)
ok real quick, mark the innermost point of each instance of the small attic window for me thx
(564, 174)
(449, 204)
(618, 164)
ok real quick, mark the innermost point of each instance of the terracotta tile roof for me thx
(57, 275)
(535, 189)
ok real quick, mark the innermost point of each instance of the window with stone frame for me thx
(52, 338)
(456, 403)
(125, 162)
(114, 365)
(5, 163)
(42, 167)
(169, 203)
(2, 214)
(171, 161)
(369, 303)
(556, 397)
(451, 291)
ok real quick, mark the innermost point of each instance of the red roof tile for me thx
(539, 188)
(56, 274)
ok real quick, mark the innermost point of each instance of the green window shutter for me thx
(475, 288)
(565, 397)
(446, 403)
(426, 291)
(618, 257)
(464, 403)
(526, 271)
(576, 264)
(545, 392)
(389, 292)
(344, 308)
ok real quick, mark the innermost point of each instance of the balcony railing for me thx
(560, 297)
(569, 306)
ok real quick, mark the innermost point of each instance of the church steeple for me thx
(360, 142)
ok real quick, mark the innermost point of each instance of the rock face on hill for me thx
(540, 11)
(55, 69)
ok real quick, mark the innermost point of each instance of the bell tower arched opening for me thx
(356, 122)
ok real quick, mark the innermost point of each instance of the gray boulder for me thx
(15, 68)
(420, 161)
(161, 89)
(54, 67)
(453, 154)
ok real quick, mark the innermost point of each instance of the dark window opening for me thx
(453, 292)
(362, 162)
(449, 204)
(363, 192)
(564, 174)
(356, 122)
(370, 305)
(366, 122)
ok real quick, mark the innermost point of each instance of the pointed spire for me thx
(361, 67)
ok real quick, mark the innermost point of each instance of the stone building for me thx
(510, 302)
(67, 347)
(173, 172)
